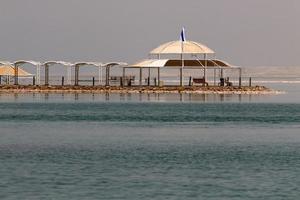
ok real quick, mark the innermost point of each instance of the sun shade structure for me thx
(9, 70)
(183, 54)
(181, 47)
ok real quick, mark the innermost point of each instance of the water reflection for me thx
(130, 97)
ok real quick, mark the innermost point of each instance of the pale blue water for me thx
(66, 146)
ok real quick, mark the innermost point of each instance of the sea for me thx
(151, 146)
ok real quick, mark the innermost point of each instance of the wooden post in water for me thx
(62, 81)
(155, 84)
(250, 82)
(33, 80)
(0, 79)
(93, 81)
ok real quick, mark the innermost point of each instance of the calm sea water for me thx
(66, 146)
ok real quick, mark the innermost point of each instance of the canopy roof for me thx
(178, 47)
(158, 63)
(8, 70)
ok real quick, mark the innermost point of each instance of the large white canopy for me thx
(178, 47)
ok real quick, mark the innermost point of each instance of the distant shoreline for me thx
(138, 89)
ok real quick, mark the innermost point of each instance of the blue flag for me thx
(182, 35)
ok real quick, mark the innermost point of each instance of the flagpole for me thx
(182, 64)
(182, 61)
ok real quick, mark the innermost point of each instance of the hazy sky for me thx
(242, 32)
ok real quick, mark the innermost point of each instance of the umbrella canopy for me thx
(179, 47)
(8, 70)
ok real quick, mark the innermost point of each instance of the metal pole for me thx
(182, 65)
(38, 73)
(250, 81)
(222, 73)
(46, 74)
(240, 77)
(76, 75)
(124, 81)
(106, 79)
(215, 77)
(108, 75)
(141, 76)
(158, 76)
(69, 75)
(205, 65)
(149, 75)
(99, 75)
(16, 74)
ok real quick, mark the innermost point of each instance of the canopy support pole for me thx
(107, 76)
(182, 65)
(205, 65)
(46, 74)
(123, 80)
(158, 76)
(69, 74)
(214, 76)
(141, 76)
(149, 75)
(181, 76)
(222, 74)
(16, 74)
(76, 75)
(38, 74)
(99, 75)
(240, 77)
